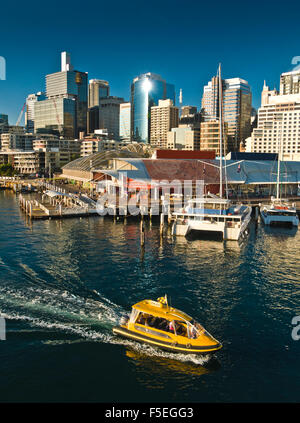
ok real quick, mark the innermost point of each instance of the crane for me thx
(57, 117)
(21, 114)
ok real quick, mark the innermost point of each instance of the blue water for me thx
(65, 284)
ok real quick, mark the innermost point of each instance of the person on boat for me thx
(194, 332)
(171, 327)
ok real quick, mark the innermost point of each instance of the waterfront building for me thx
(246, 177)
(125, 121)
(146, 90)
(31, 162)
(29, 112)
(65, 109)
(164, 117)
(67, 150)
(96, 145)
(16, 141)
(236, 101)
(98, 89)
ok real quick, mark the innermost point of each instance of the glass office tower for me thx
(146, 90)
(65, 106)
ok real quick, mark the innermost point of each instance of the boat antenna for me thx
(166, 299)
(221, 130)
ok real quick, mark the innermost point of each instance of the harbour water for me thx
(65, 283)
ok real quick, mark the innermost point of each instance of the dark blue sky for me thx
(117, 40)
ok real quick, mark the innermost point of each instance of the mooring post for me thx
(169, 215)
(142, 230)
(162, 217)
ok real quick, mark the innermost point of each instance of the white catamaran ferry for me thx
(212, 215)
(279, 212)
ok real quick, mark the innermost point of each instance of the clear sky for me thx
(118, 40)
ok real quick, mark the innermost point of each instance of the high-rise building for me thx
(125, 114)
(185, 137)
(210, 137)
(146, 90)
(290, 82)
(106, 116)
(65, 109)
(188, 111)
(3, 123)
(97, 89)
(164, 117)
(266, 94)
(29, 112)
(236, 101)
(278, 127)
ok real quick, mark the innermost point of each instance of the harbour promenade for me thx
(60, 199)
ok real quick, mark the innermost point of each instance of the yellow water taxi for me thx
(158, 324)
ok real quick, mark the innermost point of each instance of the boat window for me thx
(181, 328)
(194, 329)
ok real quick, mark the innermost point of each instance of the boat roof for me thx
(158, 310)
(214, 200)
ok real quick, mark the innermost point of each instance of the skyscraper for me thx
(164, 117)
(29, 113)
(146, 90)
(125, 113)
(109, 115)
(237, 100)
(278, 128)
(97, 89)
(65, 108)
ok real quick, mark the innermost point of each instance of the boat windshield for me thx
(194, 329)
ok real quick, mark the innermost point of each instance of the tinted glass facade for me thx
(56, 114)
(71, 85)
(146, 91)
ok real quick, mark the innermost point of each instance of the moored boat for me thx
(279, 212)
(158, 324)
(212, 215)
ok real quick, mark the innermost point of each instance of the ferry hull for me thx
(279, 220)
(227, 233)
(168, 346)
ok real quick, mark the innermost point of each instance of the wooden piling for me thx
(162, 217)
(142, 230)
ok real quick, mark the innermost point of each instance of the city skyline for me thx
(182, 48)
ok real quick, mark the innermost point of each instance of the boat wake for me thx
(66, 317)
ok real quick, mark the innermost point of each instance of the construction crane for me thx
(57, 117)
(21, 114)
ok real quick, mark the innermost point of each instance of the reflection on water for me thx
(66, 280)
(157, 370)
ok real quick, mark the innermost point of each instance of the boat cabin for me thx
(157, 319)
